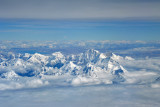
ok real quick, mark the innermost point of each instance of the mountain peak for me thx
(92, 51)
(58, 55)
(102, 56)
(38, 58)
(129, 58)
(116, 57)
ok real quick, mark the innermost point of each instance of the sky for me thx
(80, 20)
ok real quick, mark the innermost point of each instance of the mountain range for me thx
(89, 67)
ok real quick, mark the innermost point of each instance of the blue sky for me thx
(78, 30)
(80, 20)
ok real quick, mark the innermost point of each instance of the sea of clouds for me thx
(142, 80)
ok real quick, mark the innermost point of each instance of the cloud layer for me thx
(80, 9)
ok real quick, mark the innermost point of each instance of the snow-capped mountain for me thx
(91, 63)
(38, 59)
(91, 66)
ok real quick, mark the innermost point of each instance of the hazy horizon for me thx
(80, 20)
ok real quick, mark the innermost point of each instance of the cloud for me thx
(148, 64)
(80, 9)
